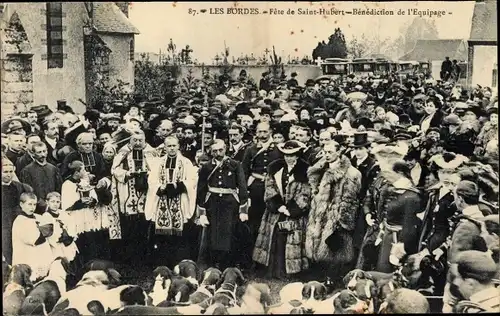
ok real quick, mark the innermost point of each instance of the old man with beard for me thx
(130, 175)
(335, 184)
(170, 205)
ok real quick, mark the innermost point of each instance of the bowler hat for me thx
(360, 140)
(310, 83)
(291, 147)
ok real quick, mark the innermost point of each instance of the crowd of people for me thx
(379, 174)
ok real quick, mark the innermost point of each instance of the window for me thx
(55, 51)
(132, 49)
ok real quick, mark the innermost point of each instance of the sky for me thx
(294, 35)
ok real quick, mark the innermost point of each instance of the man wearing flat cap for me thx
(468, 230)
(472, 275)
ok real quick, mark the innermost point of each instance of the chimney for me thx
(123, 7)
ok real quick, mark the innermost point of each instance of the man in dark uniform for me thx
(255, 161)
(369, 169)
(222, 196)
(237, 147)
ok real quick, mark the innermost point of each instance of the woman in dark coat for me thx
(280, 242)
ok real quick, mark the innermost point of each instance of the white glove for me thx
(243, 217)
(284, 210)
(437, 253)
(204, 221)
(369, 219)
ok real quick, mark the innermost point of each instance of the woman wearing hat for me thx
(279, 244)
(489, 130)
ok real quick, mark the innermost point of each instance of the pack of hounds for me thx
(187, 290)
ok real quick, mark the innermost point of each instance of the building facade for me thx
(483, 67)
(49, 54)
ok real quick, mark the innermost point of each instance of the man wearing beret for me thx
(472, 275)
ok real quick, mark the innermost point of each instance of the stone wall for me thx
(16, 68)
(17, 84)
(304, 72)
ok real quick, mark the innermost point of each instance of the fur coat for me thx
(297, 199)
(333, 207)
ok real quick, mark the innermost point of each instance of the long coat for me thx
(222, 210)
(333, 206)
(296, 197)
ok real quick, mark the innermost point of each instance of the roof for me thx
(108, 18)
(484, 22)
(437, 50)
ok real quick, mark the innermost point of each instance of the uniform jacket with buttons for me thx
(256, 160)
(237, 154)
(229, 175)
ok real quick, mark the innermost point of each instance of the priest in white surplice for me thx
(170, 206)
(130, 186)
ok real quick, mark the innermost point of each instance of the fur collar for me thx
(339, 168)
(299, 170)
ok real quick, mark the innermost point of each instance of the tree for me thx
(336, 47)
(418, 29)
(363, 46)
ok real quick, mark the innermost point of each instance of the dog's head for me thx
(180, 290)
(164, 272)
(21, 274)
(108, 277)
(232, 276)
(367, 290)
(385, 288)
(98, 264)
(353, 276)
(187, 268)
(211, 276)
(314, 290)
(134, 295)
(346, 302)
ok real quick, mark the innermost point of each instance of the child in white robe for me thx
(29, 239)
(62, 241)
